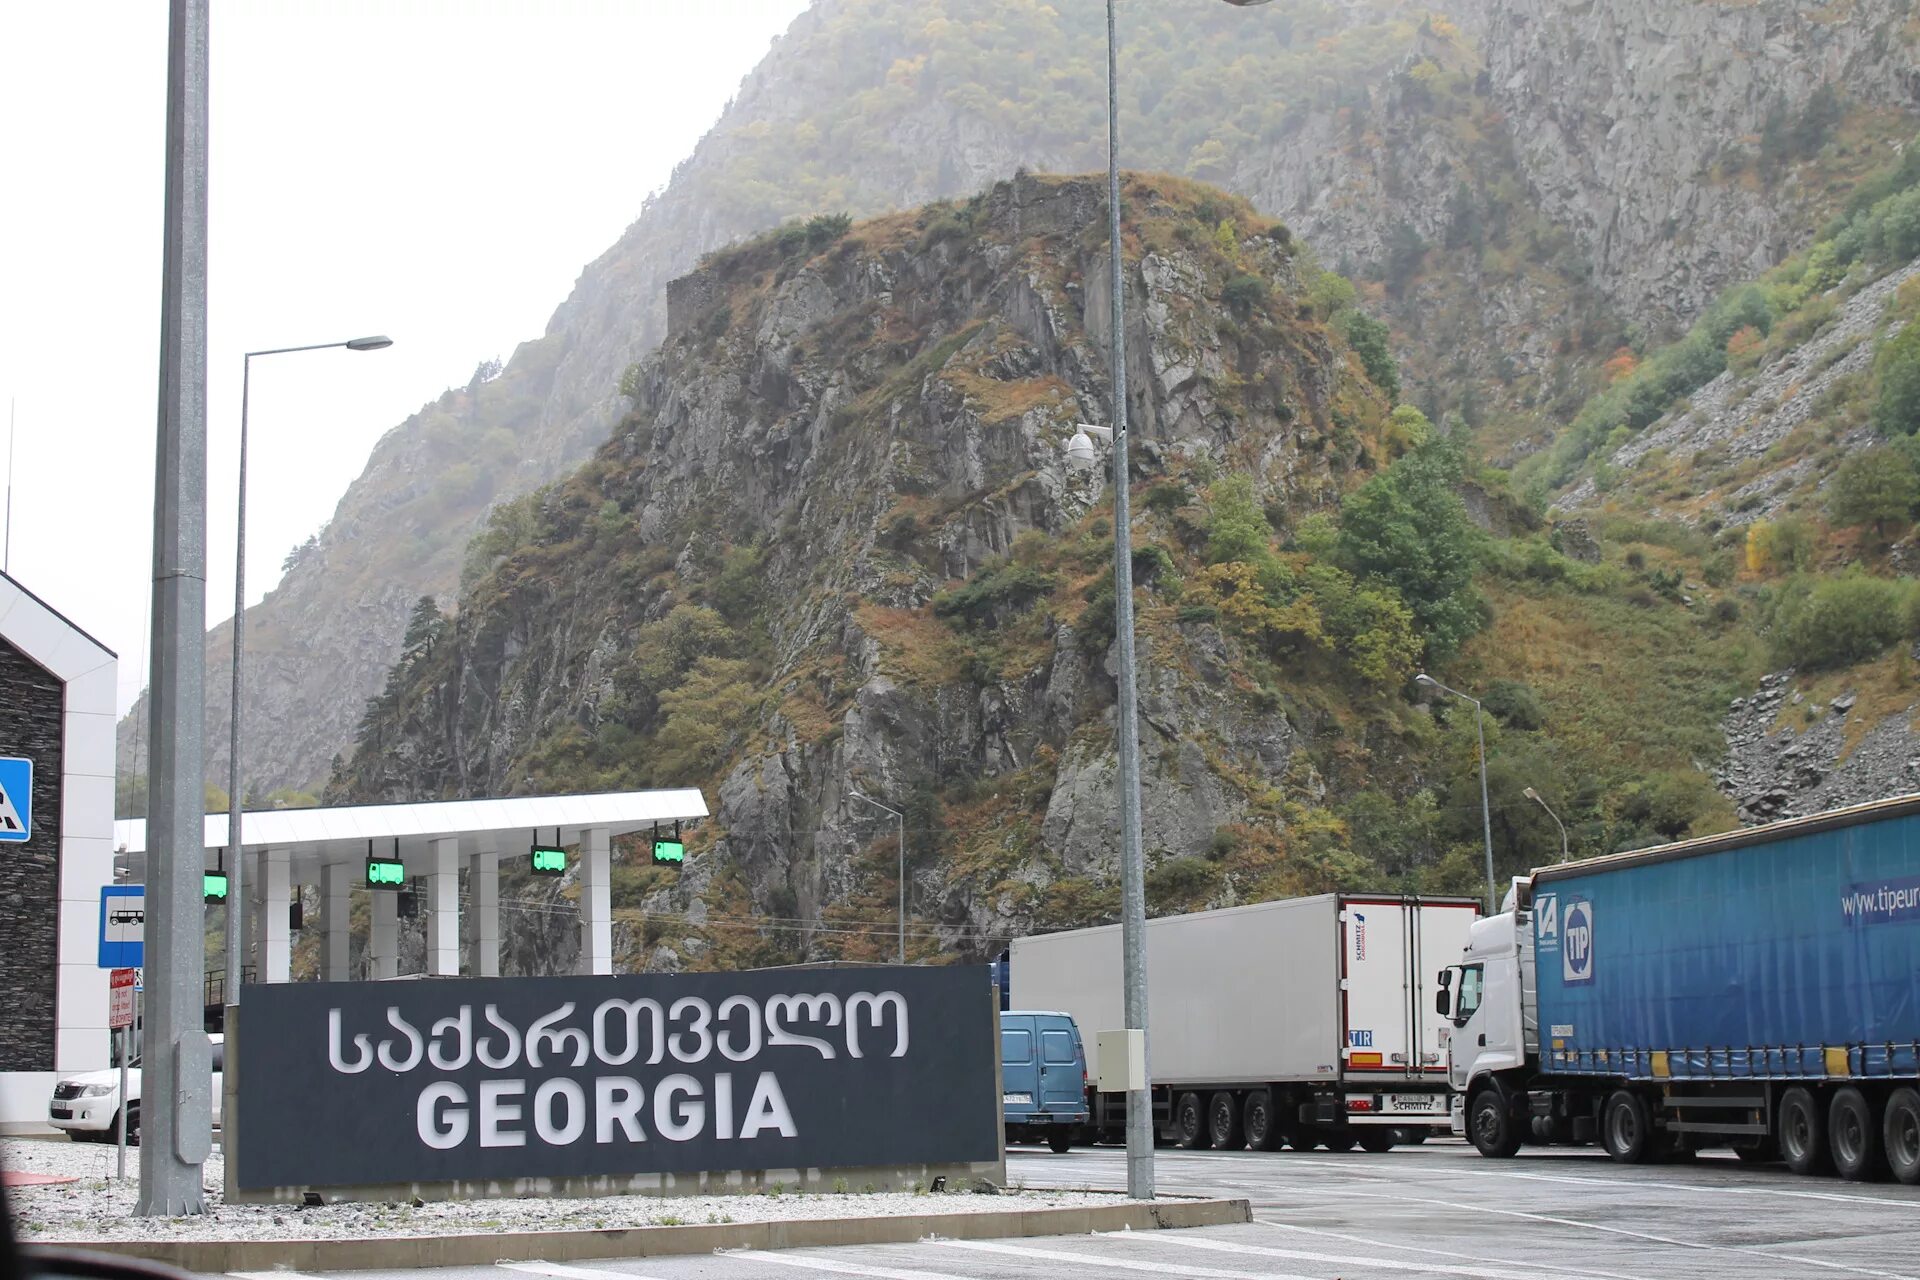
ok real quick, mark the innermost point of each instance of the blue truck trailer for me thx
(1758, 990)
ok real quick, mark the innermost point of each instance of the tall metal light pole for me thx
(177, 1122)
(900, 826)
(1534, 796)
(236, 874)
(1486, 812)
(1133, 896)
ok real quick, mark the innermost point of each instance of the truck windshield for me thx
(1470, 977)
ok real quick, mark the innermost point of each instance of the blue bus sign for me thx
(123, 926)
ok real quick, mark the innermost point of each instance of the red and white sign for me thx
(120, 998)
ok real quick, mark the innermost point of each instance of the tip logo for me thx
(1576, 951)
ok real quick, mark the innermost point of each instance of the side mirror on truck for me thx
(1446, 978)
(1443, 1002)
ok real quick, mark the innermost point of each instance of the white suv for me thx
(87, 1106)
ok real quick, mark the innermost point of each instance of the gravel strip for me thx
(98, 1208)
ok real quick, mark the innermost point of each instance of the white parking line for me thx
(559, 1269)
(1537, 1268)
(271, 1275)
(1341, 1259)
(836, 1267)
(1722, 1189)
(1105, 1263)
(1743, 1250)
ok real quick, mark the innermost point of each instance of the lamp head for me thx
(1531, 794)
(1424, 678)
(371, 343)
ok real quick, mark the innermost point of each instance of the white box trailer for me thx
(1306, 1022)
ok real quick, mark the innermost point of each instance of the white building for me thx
(57, 729)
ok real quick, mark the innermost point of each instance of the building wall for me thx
(56, 708)
(31, 725)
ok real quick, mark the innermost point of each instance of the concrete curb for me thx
(406, 1253)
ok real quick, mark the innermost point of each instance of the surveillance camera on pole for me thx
(1081, 455)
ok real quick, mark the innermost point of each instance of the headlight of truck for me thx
(96, 1090)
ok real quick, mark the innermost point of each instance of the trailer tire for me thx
(1259, 1121)
(1060, 1141)
(1377, 1141)
(1490, 1124)
(1900, 1135)
(1626, 1128)
(1190, 1123)
(1803, 1132)
(1223, 1122)
(1341, 1142)
(1853, 1129)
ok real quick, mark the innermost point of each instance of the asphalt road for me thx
(1438, 1210)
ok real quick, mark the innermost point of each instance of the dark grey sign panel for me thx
(476, 1079)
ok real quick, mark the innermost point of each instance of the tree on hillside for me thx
(1369, 340)
(1408, 527)
(1878, 487)
(1897, 369)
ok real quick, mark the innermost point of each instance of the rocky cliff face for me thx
(1594, 139)
(1626, 114)
(748, 577)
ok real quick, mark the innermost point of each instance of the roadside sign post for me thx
(120, 989)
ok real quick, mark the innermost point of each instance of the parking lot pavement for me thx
(1438, 1210)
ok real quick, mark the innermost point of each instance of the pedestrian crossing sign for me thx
(16, 799)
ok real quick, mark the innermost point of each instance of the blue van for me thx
(1043, 1078)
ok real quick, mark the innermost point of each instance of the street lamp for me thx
(900, 822)
(1133, 895)
(1486, 813)
(1534, 796)
(236, 873)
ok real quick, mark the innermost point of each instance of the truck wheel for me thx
(1377, 1140)
(1490, 1125)
(1336, 1141)
(1626, 1128)
(1190, 1123)
(1900, 1133)
(1853, 1128)
(1223, 1122)
(1061, 1142)
(1262, 1126)
(1803, 1132)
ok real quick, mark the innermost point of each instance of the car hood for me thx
(108, 1077)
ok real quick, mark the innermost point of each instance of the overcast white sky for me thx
(436, 170)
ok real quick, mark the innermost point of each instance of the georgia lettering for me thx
(680, 1106)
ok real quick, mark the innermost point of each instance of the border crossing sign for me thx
(16, 799)
(123, 926)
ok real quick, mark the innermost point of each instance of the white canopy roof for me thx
(481, 826)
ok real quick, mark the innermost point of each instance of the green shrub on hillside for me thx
(1834, 622)
(1896, 410)
(1878, 487)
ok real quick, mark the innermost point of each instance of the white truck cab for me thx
(1491, 999)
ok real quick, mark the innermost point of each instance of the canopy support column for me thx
(336, 908)
(485, 879)
(596, 901)
(276, 942)
(443, 907)
(383, 941)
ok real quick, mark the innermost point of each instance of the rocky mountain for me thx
(751, 584)
(1520, 187)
